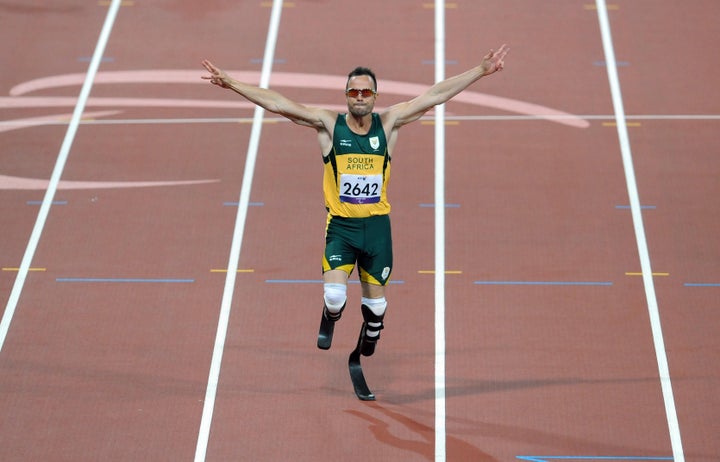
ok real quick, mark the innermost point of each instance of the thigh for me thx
(376, 259)
(341, 245)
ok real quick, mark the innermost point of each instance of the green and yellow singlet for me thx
(357, 171)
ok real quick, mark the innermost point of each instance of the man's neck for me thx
(359, 124)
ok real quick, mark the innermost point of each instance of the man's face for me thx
(358, 104)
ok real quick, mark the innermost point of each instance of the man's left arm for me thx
(441, 92)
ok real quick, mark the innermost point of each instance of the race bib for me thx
(360, 189)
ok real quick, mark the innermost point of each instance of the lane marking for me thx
(40, 202)
(317, 281)
(611, 7)
(272, 4)
(440, 405)
(448, 206)
(104, 59)
(260, 60)
(234, 256)
(29, 269)
(617, 63)
(642, 246)
(433, 272)
(591, 458)
(22, 183)
(128, 280)
(449, 6)
(57, 172)
(8, 125)
(640, 274)
(224, 270)
(451, 62)
(702, 284)
(250, 204)
(122, 3)
(432, 122)
(644, 207)
(264, 121)
(280, 79)
(627, 124)
(545, 283)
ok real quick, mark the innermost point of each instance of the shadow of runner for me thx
(456, 449)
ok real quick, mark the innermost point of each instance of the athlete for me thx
(357, 149)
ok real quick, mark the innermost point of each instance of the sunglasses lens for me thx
(365, 92)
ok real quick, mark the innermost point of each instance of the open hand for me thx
(217, 76)
(494, 61)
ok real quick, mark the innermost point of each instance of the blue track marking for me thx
(702, 284)
(448, 62)
(275, 61)
(53, 202)
(645, 207)
(590, 458)
(104, 59)
(545, 283)
(313, 281)
(250, 204)
(617, 63)
(127, 280)
(447, 206)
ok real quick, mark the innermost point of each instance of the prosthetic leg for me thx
(366, 347)
(327, 327)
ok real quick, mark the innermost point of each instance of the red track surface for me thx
(118, 371)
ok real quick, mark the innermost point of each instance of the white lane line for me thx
(503, 118)
(234, 257)
(57, 171)
(661, 356)
(440, 431)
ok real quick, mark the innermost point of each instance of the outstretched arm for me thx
(270, 99)
(403, 113)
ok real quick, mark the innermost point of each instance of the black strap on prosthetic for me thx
(333, 316)
(369, 316)
(368, 342)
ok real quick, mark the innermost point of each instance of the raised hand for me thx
(217, 76)
(494, 61)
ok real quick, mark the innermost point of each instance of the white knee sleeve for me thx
(376, 305)
(335, 296)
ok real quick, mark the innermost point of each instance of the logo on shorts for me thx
(335, 258)
(386, 272)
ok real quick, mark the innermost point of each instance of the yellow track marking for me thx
(447, 122)
(123, 3)
(640, 274)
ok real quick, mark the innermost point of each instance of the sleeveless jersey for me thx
(357, 171)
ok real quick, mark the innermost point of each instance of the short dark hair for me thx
(362, 71)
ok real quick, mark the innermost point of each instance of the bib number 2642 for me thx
(360, 189)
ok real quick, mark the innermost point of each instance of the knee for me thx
(376, 306)
(335, 296)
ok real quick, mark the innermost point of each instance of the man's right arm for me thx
(270, 100)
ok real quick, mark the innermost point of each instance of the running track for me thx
(556, 289)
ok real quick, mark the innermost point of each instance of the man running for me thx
(357, 149)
